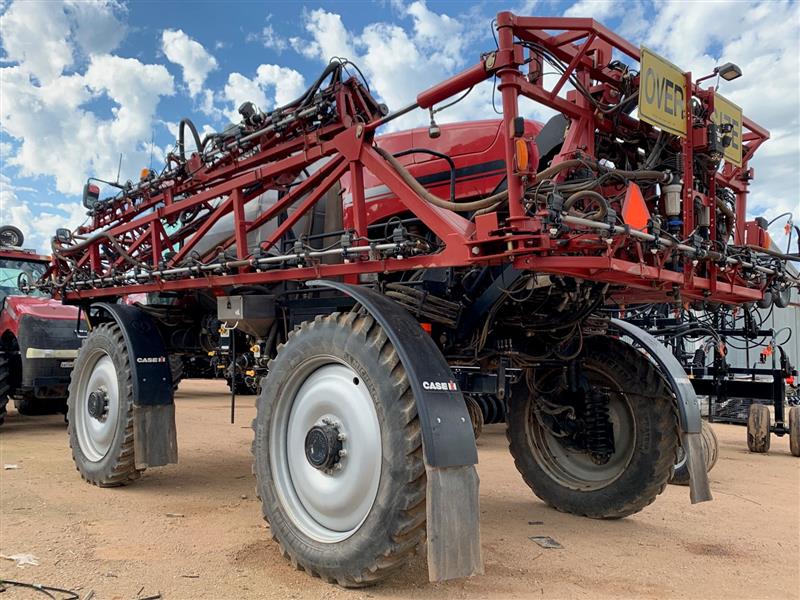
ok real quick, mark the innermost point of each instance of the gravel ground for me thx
(194, 530)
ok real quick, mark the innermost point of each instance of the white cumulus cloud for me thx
(97, 26)
(400, 61)
(195, 62)
(35, 35)
(270, 38)
(60, 138)
(45, 37)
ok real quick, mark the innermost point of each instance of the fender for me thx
(447, 439)
(154, 432)
(688, 406)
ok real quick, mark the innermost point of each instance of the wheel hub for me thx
(323, 446)
(97, 404)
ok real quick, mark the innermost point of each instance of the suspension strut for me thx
(597, 427)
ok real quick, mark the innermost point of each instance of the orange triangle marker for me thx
(634, 208)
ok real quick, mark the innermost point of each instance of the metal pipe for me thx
(391, 116)
(252, 262)
(616, 229)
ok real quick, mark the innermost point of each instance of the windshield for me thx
(10, 270)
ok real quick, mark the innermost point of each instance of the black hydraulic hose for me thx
(332, 67)
(588, 194)
(772, 252)
(181, 138)
(780, 216)
(438, 155)
(435, 200)
(642, 174)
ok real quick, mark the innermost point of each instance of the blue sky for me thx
(82, 82)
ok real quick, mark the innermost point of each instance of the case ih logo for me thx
(152, 359)
(440, 386)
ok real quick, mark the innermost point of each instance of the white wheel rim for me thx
(95, 435)
(327, 505)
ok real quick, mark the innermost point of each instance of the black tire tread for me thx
(710, 445)
(123, 470)
(646, 382)
(758, 433)
(408, 530)
(794, 430)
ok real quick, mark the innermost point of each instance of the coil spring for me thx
(598, 428)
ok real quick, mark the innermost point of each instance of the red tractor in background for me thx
(38, 340)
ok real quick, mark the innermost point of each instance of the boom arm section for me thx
(657, 212)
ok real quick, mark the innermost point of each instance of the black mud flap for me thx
(688, 407)
(448, 442)
(155, 439)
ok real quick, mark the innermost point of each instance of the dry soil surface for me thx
(194, 530)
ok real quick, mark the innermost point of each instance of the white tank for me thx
(223, 229)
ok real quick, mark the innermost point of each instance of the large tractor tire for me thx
(5, 386)
(338, 452)
(794, 430)
(475, 415)
(643, 414)
(101, 409)
(710, 445)
(176, 370)
(758, 424)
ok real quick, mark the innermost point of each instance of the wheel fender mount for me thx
(453, 515)
(154, 432)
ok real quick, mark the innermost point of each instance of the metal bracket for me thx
(447, 440)
(688, 406)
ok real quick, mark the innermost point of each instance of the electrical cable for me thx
(42, 589)
(441, 155)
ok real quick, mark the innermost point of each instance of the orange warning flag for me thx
(634, 208)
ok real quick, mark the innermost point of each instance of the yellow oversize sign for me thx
(726, 112)
(662, 93)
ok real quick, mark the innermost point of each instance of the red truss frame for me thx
(135, 229)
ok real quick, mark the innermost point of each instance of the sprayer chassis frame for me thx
(523, 240)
